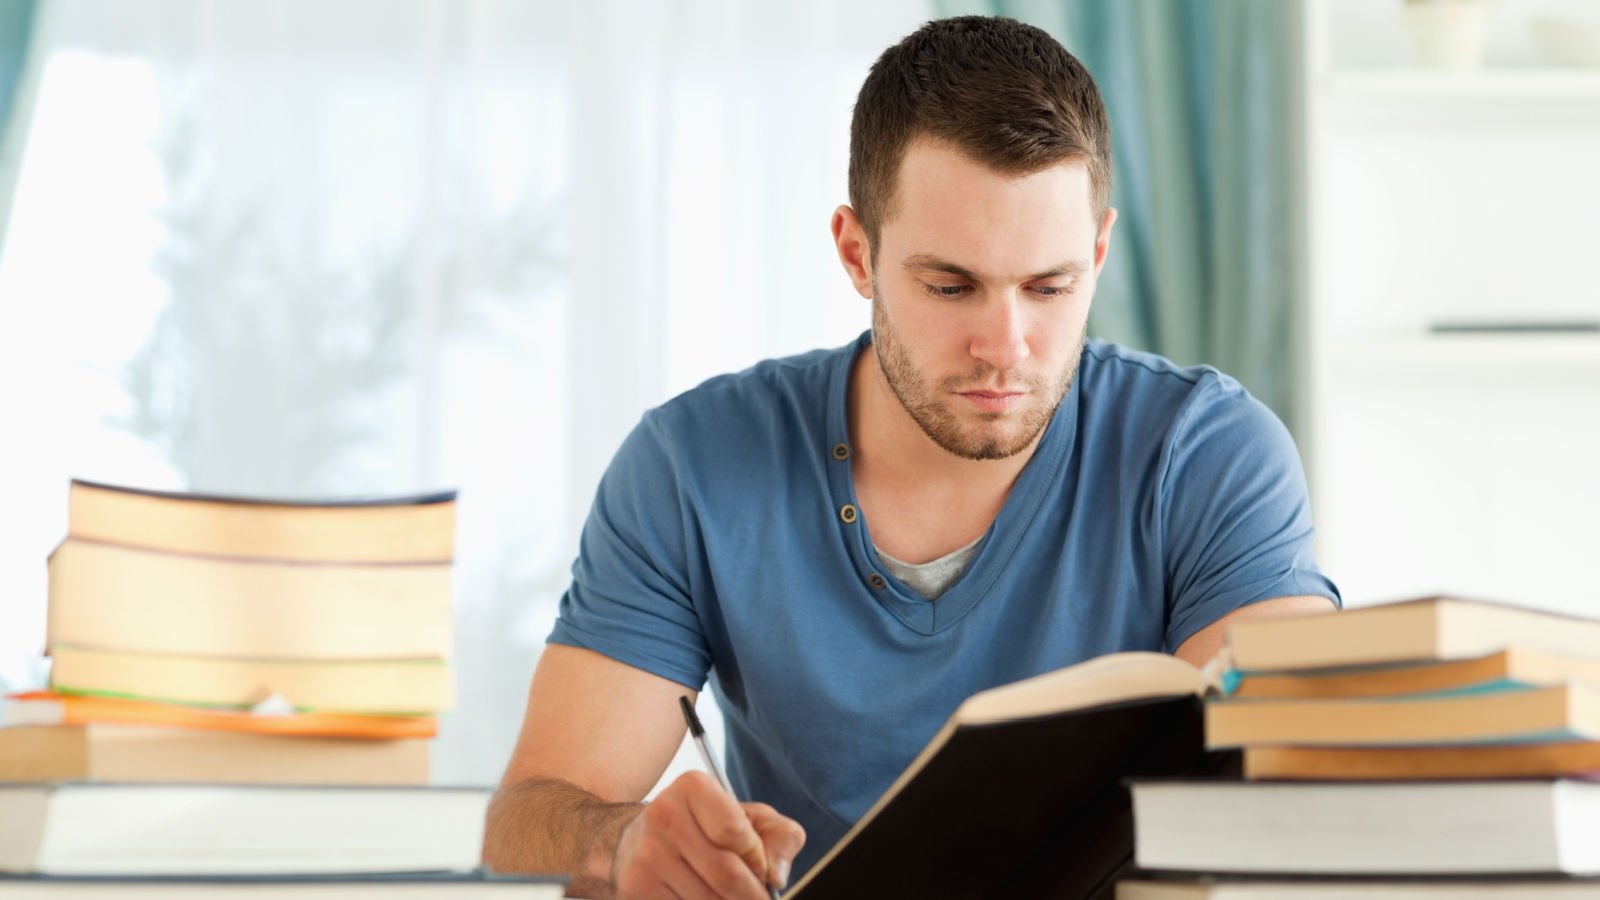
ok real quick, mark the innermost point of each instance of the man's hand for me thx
(694, 841)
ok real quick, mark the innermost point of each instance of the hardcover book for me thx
(1358, 828)
(1021, 793)
(207, 829)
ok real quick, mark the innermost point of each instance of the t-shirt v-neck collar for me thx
(999, 542)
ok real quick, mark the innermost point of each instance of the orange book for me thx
(1579, 759)
(51, 708)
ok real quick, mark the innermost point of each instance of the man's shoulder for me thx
(1137, 382)
(1180, 416)
(771, 398)
(1140, 406)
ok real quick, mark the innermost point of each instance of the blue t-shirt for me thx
(1158, 500)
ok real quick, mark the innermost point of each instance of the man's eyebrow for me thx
(927, 262)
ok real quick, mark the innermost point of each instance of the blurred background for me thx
(349, 247)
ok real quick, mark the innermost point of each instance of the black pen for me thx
(697, 732)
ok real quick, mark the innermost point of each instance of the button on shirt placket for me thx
(848, 514)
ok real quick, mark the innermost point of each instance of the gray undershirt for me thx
(930, 579)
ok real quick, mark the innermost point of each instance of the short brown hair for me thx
(1005, 93)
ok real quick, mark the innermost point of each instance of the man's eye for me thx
(1047, 290)
(945, 290)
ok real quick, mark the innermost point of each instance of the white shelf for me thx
(1457, 356)
(1490, 98)
(1423, 84)
(1463, 460)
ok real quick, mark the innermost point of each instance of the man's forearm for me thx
(549, 825)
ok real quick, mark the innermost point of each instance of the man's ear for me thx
(1102, 241)
(854, 251)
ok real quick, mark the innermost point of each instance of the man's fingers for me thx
(654, 867)
(781, 836)
(735, 850)
(724, 872)
(724, 822)
(696, 841)
(680, 879)
(721, 871)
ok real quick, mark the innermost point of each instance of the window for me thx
(301, 249)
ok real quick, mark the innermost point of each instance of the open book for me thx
(1020, 794)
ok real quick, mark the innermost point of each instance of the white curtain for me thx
(370, 246)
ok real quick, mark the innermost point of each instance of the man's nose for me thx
(1001, 336)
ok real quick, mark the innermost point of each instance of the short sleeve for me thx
(629, 598)
(1234, 514)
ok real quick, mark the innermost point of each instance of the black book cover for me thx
(1023, 808)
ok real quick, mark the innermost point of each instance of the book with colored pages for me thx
(465, 885)
(1562, 712)
(53, 708)
(208, 829)
(394, 686)
(142, 753)
(1021, 792)
(419, 528)
(1511, 669)
(1356, 828)
(1432, 628)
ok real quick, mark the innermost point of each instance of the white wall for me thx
(1449, 462)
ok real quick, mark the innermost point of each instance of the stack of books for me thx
(229, 640)
(241, 699)
(1431, 748)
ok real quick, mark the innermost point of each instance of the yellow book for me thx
(111, 596)
(1430, 628)
(392, 529)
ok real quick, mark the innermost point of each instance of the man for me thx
(848, 543)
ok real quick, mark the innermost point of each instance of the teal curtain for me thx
(1203, 263)
(17, 77)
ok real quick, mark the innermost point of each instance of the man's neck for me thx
(902, 475)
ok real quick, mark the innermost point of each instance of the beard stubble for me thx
(926, 403)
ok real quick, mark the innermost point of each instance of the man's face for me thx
(981, 293)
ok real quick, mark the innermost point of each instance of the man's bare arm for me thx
(586, 755)
(596, 737)
(550, 825)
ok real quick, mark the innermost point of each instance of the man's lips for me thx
(993, 401)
